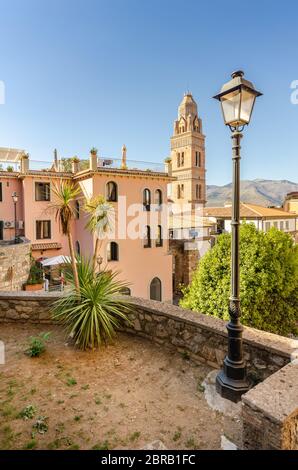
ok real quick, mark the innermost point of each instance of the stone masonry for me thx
(14, 265)
(270, 409)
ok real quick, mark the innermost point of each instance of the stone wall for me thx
(270, 412)
(185, 263)
(200, 337)
(270, 409)
(14, 265)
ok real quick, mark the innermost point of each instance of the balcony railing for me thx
(65, 165)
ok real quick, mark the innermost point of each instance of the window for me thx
(275, 224)
(158, 241)
(155, 289)
(43, 229)
(267, 226)
(77, 209)
(180, 191)
(113, 251)
(281, 225)
(42, 192)
(178, 160)
(125, 291)
(111, 192)
(287, 225)
(198, 191)
(1, 192)
(78, 248)
(198, 159)
(147, 237)
(158, 197)
(182, 158)
(146, 199)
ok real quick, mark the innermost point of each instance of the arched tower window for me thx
(77, 209)
(111, 191)
(146, 199)
(159, 241)
(198, 191)
(158, 197)
(147, 237)
(155, 289)
(113, 251)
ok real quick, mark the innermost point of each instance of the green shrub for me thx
(37, 344)
(28, 412)
(35, 273)
(268, 280)
(92, 315)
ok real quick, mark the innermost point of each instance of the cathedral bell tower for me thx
(188, 156)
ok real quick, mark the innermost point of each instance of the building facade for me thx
(140, 255)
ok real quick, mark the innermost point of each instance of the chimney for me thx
(75, 165)
(168, 166)
(123, 161)
(25, 163)
(56, 165)
(93, 159)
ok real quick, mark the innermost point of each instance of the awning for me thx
(55, 260)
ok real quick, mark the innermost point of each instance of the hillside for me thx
(263, 192)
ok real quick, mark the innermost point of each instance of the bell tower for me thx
(188, 156)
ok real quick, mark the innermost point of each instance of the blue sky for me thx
(102, 73)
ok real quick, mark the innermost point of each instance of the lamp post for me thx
(237, 98)
(15, 199)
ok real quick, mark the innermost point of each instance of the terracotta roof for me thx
(46, 246)
(249, 211)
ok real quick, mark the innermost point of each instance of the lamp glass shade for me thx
(15, 197)
(237, 106)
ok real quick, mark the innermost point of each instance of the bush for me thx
(268, 280)
(35, 274)
(37, 344)
(92, 315)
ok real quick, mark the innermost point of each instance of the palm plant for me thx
(101, 221)
(64, 196)
(92, 316)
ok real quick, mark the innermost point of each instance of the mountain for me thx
(263, 192)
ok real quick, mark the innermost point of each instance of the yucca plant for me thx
(92, 317)
(65, 195)
(100, 223)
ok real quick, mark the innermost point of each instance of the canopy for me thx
(56, 260)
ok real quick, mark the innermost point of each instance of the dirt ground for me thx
(123, 396)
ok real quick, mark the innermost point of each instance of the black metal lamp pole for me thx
(237, 98)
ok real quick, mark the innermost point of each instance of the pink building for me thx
(142, 260)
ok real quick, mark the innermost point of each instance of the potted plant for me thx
(35, 278)
(9, 169)
(93, 151)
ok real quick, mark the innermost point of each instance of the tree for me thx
(65, 195)
(101, 221)
(268, 280)
(92, 317)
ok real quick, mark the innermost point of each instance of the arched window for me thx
(125, 291)
(158, 197)
(112, 251)
(146, 199)
(178, 159)
(158, 241)
(198, 159)
(78, 248)
(111, 192)
(182, 158)
(147, 237)
(77, 209)
(155, 289)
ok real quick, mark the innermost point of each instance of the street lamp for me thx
(237, 98)
(15, 199)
